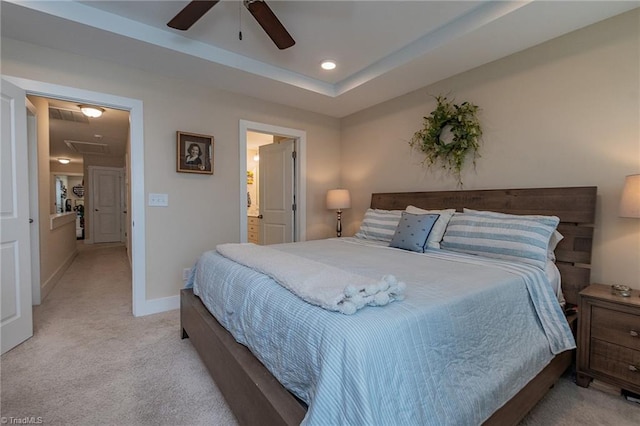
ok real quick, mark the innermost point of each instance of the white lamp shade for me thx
(630, 201)
(338, 199)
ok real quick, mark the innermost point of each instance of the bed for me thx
(257, 397)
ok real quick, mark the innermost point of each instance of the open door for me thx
(16, 323)
(276, 192)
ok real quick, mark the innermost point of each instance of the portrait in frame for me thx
(194, 153)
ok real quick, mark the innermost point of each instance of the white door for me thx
(106, 184)
(16, 323)
(276, 192)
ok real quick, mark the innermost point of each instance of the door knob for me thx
(30, 220)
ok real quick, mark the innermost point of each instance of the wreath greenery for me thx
(465, 129)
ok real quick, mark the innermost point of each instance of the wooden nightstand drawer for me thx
(608, 348)
(616, 327)
(616, 361)
(251, 220)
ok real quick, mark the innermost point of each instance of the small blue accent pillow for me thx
(412, 231)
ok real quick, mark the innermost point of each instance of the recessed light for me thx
(328, 65)
(64, 160)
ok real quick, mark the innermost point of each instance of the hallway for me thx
(90, 362)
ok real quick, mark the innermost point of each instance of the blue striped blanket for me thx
(470, 333)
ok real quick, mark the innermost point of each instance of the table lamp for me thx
(629, 207)
(338, 199)
(630, 201)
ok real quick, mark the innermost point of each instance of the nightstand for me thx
(609, 338)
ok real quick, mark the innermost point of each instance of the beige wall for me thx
(203, 210)
(564, 113)
(560, 114)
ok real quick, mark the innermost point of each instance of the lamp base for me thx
(339, 224)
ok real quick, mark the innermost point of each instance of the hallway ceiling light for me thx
(91, 111)
(64, 160)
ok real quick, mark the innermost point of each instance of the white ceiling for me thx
(383, 48)
(110, 130)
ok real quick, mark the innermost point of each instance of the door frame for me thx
(140, 306)
(301, 176)
(34, 204)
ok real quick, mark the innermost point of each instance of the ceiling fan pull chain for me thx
(240, 21)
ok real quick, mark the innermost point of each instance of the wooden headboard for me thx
(575, 206)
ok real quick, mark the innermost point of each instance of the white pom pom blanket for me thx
(314, 282)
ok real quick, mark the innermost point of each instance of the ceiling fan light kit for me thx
(258, 9)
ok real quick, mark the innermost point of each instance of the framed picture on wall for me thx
(194, 153)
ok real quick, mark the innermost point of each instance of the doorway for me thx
(106, 207)
(296, 187)
(135, 176)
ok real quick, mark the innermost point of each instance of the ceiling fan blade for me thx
(270, 23)
(190, 14)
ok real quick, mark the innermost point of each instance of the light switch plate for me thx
(158, 200)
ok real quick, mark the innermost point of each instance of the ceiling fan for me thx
(258, 8)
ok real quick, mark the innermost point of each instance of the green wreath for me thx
(465, 129)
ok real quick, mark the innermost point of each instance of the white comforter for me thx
(469, 334)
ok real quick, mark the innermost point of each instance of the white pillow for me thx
(379, 225)
(437, 232)
(556, 237)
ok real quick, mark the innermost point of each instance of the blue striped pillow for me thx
(379, 225)
(503, 236)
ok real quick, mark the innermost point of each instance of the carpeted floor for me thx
(90, 362)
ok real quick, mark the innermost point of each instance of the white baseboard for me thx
(50, 283)
(154, 306)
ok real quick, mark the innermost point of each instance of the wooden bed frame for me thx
(257, 398)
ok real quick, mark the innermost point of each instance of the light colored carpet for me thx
(91, 362)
